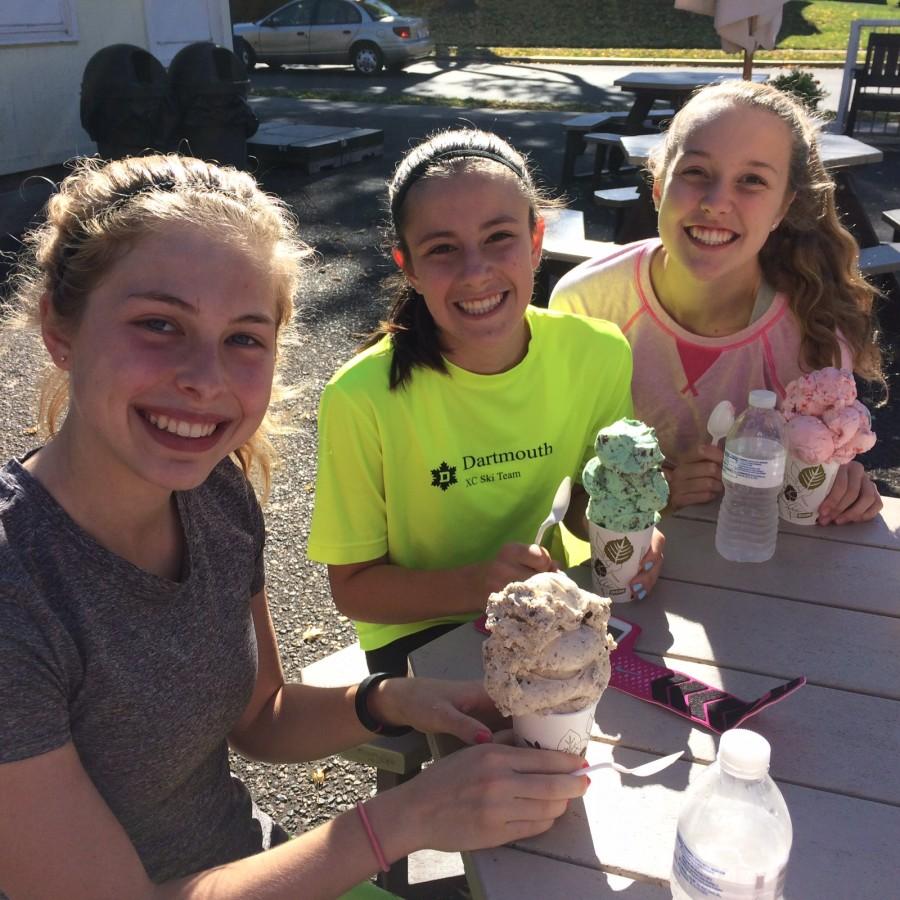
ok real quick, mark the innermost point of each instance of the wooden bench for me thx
(880, 264)
(607, 153)
(619, 200)
(892, 217)
(396, 759)
(881, 259)
(564, 247)
(577, 127)
(875, 79)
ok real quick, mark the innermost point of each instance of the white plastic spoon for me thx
(558, 509)
(720, 421)
(644, 771)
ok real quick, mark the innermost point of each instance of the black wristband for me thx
(362, 707)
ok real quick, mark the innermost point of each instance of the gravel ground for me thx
(339, 214)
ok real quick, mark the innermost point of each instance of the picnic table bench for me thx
(395, 759)
(620, 199)
(578, 127)
(565, 245)
(882, 259)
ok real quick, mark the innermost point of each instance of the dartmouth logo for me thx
(443, 476)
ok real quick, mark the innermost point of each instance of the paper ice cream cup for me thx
(805, 486)
(569, 732)
(615, 560)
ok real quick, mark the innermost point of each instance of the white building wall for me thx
(40, 83)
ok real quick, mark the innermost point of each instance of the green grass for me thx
(630, 28)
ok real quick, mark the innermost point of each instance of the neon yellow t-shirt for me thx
(443, 472)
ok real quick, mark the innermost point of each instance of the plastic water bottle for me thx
(734, 832)
(752, 474)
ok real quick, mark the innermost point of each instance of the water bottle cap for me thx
(763, 399)
(744, 754)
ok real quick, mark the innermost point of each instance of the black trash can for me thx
(125, 103)
(210, 84)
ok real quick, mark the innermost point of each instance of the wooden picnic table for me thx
(826, 606)
(671, 87)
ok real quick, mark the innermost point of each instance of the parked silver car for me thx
(365, 33)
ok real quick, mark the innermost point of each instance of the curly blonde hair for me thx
(810, 257)
(102, 209)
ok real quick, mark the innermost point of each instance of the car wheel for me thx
(367, 59)
(245, 53)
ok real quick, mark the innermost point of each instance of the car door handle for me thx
(347, 31)
(301, 34)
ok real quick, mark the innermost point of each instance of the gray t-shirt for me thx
(144, 675)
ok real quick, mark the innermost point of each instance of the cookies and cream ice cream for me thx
(548, 650)
(824, 420)
(624, 480)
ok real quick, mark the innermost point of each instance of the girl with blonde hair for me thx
(135, 636)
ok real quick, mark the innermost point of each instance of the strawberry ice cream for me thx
(825, 421)
(819, 391)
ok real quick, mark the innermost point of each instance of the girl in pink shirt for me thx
(752, 282)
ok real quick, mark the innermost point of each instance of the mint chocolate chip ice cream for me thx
(624, 480)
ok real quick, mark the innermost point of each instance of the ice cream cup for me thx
(615, 560)
(805, 486)
(569, 732)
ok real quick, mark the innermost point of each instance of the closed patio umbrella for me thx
(742, 24)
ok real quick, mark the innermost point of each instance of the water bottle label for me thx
(760, 473)
(698, 878)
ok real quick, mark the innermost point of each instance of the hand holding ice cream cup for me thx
(546, 661)
(826, 426)
(627, 489)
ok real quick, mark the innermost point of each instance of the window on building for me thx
(37, 21)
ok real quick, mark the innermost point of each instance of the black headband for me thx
(418, 170)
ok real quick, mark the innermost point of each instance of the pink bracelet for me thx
(373, 840)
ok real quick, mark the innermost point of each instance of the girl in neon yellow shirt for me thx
(441, 445)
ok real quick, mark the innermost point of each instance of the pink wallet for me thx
(685, 696)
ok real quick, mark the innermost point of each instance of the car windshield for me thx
(378, 10)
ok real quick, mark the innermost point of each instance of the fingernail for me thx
(648, 566)
(637, 586)
(483, 737)
(641, 595)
